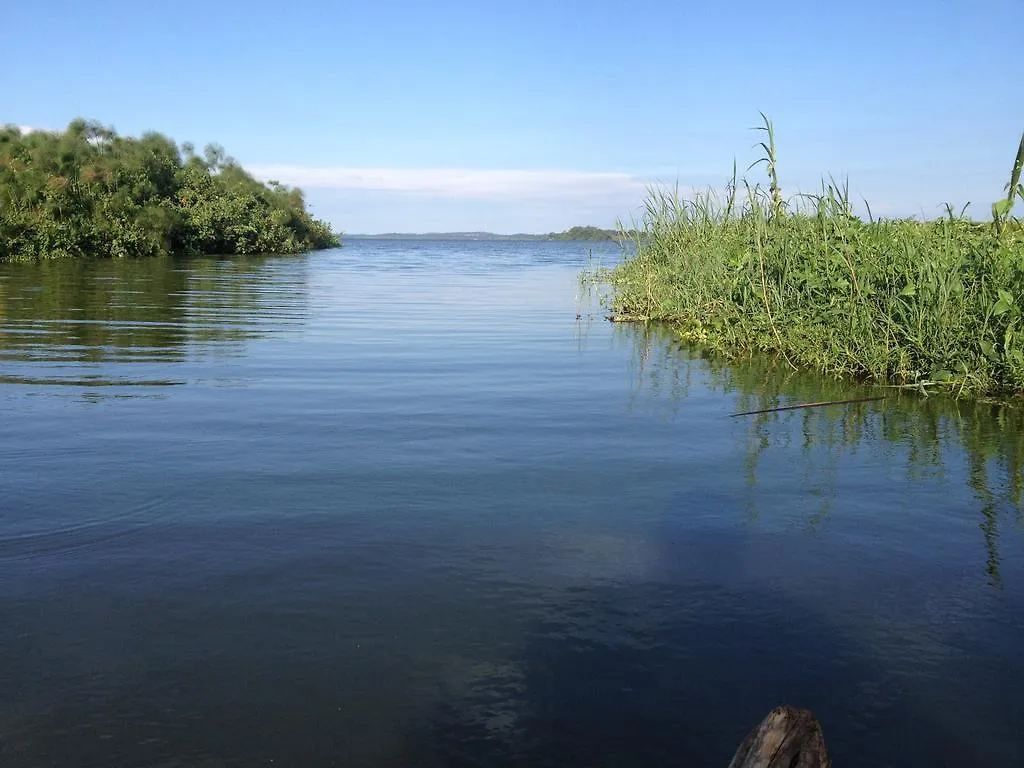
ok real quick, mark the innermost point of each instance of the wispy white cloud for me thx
(25, 129)
(457, 183)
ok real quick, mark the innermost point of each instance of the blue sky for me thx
(535, 116)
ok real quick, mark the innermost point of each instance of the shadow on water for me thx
(125, 323)
(585, 692)
(684, 686)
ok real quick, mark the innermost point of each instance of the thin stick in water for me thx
(809, 405)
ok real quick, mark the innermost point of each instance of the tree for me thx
(88, 192)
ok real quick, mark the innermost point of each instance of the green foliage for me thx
(88, 192)
(586, 233)
(1001, 208)
(899, 301)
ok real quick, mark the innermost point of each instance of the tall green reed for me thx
(896, 301)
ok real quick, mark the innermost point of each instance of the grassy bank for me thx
(905, 302)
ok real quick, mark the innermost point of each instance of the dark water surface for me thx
(394, 505)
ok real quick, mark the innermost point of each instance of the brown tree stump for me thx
(786, 738)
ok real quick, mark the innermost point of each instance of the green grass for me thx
(896, 301)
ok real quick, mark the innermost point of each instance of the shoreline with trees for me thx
(87, 192)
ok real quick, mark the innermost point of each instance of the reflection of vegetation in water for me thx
(92, 311)
(928, 432)
(235, 300)
(149, 310)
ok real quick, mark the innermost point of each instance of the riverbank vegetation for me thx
(589, 233)
(88, 192)
(925, 304)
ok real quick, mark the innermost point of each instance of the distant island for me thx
(586, 233)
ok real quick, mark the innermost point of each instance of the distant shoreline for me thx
(446, 236)
(443, 236)
(582, 234)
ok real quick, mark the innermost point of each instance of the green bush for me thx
(88, 192)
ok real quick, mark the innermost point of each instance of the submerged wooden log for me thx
(786, 738)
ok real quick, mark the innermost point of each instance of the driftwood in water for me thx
(809, 405)
(787, 738)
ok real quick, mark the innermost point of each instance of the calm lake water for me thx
(395, 505)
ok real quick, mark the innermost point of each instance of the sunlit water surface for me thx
(414, 504)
